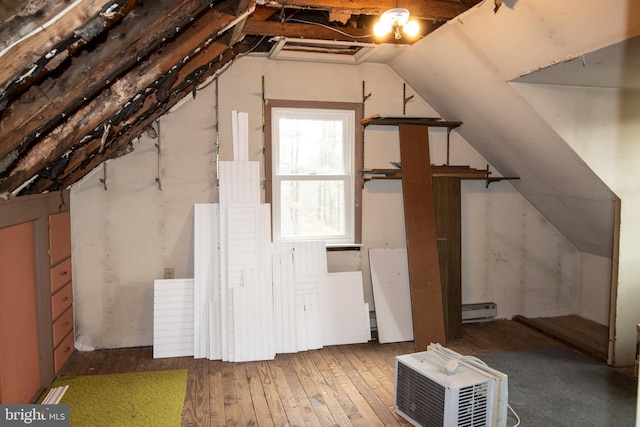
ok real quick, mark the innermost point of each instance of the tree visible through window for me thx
(313, 174)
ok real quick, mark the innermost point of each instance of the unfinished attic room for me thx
(319, 212)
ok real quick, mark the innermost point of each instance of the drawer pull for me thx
(65, 299)
(65, 324)
(66, 350)
(64, 273)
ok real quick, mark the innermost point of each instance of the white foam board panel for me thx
(172, 318)
(392, 294)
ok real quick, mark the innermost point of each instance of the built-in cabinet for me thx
(19, 347)
(61, 288)
(36, 294)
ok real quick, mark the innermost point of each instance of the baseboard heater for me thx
(481, 312)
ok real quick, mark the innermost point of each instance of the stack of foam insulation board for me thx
(251, 298)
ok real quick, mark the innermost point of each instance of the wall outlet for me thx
(168, 273)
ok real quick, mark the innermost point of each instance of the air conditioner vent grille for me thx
(419, 397)
(473, 405)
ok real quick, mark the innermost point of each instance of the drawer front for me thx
(61, 300)
(60, 274)
(63, 325)
(63, 351)
(59, 236)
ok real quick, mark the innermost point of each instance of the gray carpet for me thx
(557, 387)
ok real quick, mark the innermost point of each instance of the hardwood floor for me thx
(351, 385)
(582, 334)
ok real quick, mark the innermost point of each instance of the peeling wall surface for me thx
(464, 68)
(126, 236)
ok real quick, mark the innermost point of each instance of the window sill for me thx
(344, 246)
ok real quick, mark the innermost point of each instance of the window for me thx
(313, 172)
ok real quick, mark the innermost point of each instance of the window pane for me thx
(310, 147)
(312, 208)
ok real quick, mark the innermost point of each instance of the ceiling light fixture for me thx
(397, 21)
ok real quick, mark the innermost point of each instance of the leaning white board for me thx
(173, 318)
(392, 294)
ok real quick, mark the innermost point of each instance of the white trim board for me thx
(206, 280)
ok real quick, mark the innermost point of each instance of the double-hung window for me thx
(313, 172)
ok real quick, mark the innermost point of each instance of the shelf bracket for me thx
(159, 147)
(365, 97)
(405, 99)
(488, 180)
(217, 143)
(448, 144)
(103, 180)
(497, 178)
(263, 181)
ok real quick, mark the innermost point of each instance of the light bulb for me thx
(381, 29)
(411, 28)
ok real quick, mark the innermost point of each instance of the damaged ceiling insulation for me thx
(79, 80)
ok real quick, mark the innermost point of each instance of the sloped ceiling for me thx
(80, 80)
(485, 51)
(614, 66)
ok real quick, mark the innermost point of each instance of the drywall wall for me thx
(513, 256)
(602, 126)
(125, 236)
(595, 288)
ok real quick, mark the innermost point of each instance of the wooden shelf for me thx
(462, 172)
(407, 120)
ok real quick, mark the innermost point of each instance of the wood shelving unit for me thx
(432, 210)
(408, 120)
(462, 172)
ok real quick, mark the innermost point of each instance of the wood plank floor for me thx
(582, 334)
(349, 385)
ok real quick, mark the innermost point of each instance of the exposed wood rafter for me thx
(80, 80)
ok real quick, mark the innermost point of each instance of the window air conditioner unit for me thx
(440, 387)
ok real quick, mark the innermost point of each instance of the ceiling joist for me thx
(435, 10)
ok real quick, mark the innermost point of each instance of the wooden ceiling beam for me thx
(85, 19)
(17, 19)
(306, 31)
(218, 54)
(46, 105)
(124, 91)
(436, 10)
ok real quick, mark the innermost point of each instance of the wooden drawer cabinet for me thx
(59, 237)
(60, 274)
(61, 288)
(62, 326)
(61, 300)
(35, 293)
(63, 351)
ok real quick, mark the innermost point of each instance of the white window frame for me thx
(351, 116)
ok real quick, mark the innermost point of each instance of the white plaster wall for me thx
(126, 236)
(601, 125)
(595, 288)
(513, 256)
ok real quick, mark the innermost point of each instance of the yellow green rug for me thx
(146, 399)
